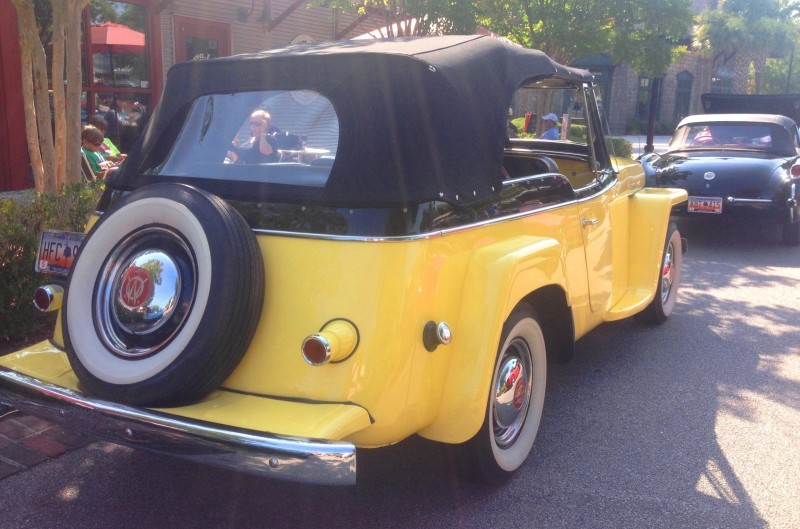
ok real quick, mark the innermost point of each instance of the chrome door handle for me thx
(587, 222)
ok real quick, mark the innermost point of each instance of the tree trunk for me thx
(741, 72)
(54, 161)
(59, 110)
(74, 14)
(44, 118)
(759, 64)
(26, 22)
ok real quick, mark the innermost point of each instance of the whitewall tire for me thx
(163, 298)
(516, 399)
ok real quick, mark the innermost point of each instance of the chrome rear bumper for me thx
(273, 456)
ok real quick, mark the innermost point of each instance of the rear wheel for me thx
(514, 408)
(669, 279)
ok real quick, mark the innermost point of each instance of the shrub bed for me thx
(21, 221)
(622, 147)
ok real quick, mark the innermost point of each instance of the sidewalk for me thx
(26, 441)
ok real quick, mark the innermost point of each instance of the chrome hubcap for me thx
(512, 393)
(666, 274)
(145, 292)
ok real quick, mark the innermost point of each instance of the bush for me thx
(622, 147)
(577, 133)
(20, 225)
(519, 123)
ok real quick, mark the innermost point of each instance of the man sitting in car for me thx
(261, 148)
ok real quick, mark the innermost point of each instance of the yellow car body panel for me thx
(390, 290)
(461, 278)
(391, 386)
(517, 267)
(49, 364)
(649, 216)
(471, 279)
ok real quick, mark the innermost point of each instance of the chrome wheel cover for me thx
(512, 393)
(144, 293)
(667, 273)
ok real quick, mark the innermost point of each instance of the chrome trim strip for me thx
(285, 458)
(734, 200)
(419, 236)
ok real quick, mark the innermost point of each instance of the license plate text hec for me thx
(57, 251)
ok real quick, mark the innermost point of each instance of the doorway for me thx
(200, 39)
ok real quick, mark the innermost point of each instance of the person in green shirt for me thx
(91, 141)
(110, 150)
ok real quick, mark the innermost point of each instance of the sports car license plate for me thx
(57, 251)
(705, 205)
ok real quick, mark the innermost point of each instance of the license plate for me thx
(57, 251)
(705, 205)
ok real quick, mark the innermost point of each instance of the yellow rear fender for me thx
(498, 277)
(649, 218)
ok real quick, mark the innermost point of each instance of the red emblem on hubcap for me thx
(136, 287)
(519, 393)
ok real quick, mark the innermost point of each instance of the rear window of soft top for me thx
(285, 137)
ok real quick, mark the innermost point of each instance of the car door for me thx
(594, 206)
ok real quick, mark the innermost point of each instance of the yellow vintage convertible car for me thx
(333, 246)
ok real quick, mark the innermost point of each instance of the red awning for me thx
(116, 38)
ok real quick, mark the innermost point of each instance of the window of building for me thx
(118, 86)
(602, 67)
(683, 95)
(116, 64)
(643, 99)
(722, 81)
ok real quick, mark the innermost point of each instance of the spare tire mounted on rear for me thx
(163, 298)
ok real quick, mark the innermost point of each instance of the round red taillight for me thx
(316, 350)
(48, 298)
(795, 171)
(42, 298)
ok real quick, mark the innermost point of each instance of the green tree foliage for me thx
(432, 17)
(752, 29)
(781, 75)
(102, 11)
(564, 30)
(643, 33)
(651, 35)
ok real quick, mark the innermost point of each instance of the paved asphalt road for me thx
(693, 424)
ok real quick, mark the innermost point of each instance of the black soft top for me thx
(420, 119)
